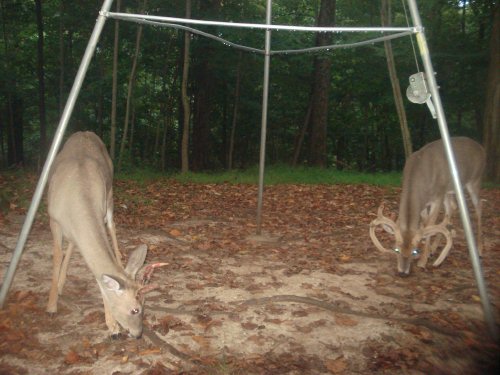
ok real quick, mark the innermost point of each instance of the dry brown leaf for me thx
(175, 232)
(336, 366)
(72, 358)
(201, 341)
(249, 325)
(345, 320)
(149, 351)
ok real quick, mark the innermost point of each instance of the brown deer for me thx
(427, 186)
(80, 207)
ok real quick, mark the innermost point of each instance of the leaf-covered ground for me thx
(310, 295)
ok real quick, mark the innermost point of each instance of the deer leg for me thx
(111, 323)
(57, 258)
(64, 267)
(429, 219)
(480, 244)
(473, 190)
(110, 223)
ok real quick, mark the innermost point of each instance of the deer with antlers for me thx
(427, 186)
(80, 207)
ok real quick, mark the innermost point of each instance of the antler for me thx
(443, 229)
(148, 271)
(146, 277)
(388, 225)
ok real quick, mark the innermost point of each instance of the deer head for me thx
(123, 295)
(427, 186)
(407, 245)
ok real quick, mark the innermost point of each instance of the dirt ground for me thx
(311, 295)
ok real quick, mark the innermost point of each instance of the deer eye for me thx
(415, 252)
(135, 311)
(397, 250)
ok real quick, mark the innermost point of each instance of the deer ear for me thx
(112, 283)
(136, 260)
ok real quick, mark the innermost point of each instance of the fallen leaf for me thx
(201, 341)
(72, 358)
(345, 320)
(336, 366)
(175, 232)
(249, 325)
(149, 351)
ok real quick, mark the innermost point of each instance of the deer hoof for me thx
(51, 310)
(116, 336)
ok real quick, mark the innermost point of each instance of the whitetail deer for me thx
(427, 184)
(80, 206)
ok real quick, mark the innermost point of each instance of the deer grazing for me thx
(427, 186)
(80, 206)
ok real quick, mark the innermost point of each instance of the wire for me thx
(411, 38)
(260, 51)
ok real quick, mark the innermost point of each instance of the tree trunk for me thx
(396, 89)
(235, 113)
(301, 135)
(321, 88)
(10, 88)
(204, 84)
(114, 88)
(41, 80)
(15, 136)
(491, 130)
(130, 90)
(61, 57)
(185, 98)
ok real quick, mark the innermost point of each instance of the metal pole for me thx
(68, 109)
(265, 94)
(443, 128)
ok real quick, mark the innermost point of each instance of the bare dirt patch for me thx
(311, 295)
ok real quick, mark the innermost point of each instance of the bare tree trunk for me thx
(41, 80)
(396, 89)
(491, 130)
(157, 131)
(130, 90)
(114, 89)
(185, 98)
(321, 88)
(301, 135)
(11, 145)
(61, 57)
(235, 113)
(163, 157)
(132, 128)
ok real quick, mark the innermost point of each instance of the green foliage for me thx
(363, 128)
(282, 174)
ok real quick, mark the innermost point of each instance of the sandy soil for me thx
(314, 300)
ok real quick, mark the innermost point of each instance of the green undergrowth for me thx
(272, 176)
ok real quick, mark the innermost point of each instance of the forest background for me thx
(168, 100)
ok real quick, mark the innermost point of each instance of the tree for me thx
(185, 98)
(321, 88)
(491, 135)
(131, 83)
(235, 113)
(114, 85)
(396, 89)
(41, 80)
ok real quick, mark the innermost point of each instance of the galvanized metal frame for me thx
(429, 71)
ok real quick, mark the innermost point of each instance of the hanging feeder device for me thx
(418, 92)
